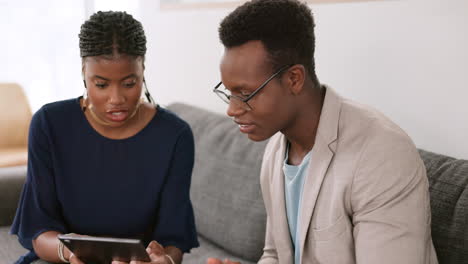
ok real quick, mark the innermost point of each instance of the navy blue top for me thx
(79, 181)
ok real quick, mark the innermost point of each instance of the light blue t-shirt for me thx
(294, 177)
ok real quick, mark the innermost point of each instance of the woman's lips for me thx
(117, 116)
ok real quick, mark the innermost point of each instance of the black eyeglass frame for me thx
(224, 96)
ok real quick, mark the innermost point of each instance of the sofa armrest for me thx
(11, 183)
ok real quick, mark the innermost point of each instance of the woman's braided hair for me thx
(112, 32)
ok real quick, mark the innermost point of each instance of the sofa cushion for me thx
(225, 189)
(448, 179)
(11, 183)
(10, 249)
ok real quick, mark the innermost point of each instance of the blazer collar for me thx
(322, 153)
(282, 235)
(327, 131)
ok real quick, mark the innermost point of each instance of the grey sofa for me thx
(228, 206)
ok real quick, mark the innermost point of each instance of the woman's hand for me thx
(156, 253)
(74, 259)
(69, 255)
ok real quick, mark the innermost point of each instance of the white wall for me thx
(39, 48)
(407, 58)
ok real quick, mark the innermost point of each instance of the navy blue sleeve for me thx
(38, 210)
(175, 224)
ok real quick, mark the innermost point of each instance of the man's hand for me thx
(218, 261)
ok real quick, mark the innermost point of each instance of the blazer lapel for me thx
(321, 157)
(282, 235)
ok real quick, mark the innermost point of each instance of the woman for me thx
(108, 163)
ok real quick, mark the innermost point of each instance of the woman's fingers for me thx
(74, 259)
(157, 258)
(155, 248)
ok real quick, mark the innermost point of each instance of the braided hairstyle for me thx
(111, 33)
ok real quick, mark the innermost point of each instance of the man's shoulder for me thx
(366, 131)
(359, 120)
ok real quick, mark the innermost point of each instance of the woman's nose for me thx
(116, 96)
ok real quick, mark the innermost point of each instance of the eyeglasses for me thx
(240, 101)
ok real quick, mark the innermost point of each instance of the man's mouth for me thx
(245, 127)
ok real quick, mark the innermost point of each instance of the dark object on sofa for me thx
(228, 205)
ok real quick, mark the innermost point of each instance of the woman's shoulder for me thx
(56, 112)
(171, 120)
(58, 107)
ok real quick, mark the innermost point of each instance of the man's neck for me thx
(303, 130)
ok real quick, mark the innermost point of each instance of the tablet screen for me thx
(104, 249)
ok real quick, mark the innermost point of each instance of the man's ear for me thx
(295, 77)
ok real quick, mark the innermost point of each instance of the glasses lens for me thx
(237, 101)
(222, 95)
(226, 96)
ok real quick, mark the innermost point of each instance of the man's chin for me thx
(257, 138)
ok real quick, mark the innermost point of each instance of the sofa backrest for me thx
(15, 116)
(448, 180)
(225, 188)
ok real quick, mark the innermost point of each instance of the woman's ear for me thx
(295, 78)
(83, 61)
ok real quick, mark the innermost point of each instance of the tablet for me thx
(91, 249)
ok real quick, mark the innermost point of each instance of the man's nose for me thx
(234, 108)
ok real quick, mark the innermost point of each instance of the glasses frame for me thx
(227, 98)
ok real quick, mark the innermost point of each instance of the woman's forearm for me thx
(46, 247)
(175, 253)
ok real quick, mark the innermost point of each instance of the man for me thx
(341, 183)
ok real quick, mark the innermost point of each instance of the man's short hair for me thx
(285, 27)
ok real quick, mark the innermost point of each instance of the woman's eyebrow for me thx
(106, 79)
(100, 77)
(129, 76)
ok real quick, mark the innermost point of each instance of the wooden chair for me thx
(15, 116)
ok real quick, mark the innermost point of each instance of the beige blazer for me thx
(365, 198)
